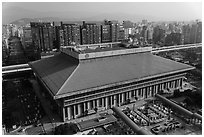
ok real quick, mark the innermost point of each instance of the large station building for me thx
(83, 78)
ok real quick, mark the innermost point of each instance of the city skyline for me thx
(134, 11)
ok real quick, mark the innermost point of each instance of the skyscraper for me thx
(27, 37)
(114, 29)
(42, 35)
(199, 32)
(71, 34)
(106, 33)
(90, 33)
(186, 33)
(122, 35)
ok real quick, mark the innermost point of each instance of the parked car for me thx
(177, 124)
(156, 130)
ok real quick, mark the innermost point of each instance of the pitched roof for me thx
(54, 71)
(64, 75)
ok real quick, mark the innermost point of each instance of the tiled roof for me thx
(63, 74)
(54, 71)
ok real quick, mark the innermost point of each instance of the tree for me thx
(158, 35)
(177, 93)
(188, 101)
(66, 129)
(160, 92)
(96, 109)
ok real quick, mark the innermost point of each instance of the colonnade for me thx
(118, 99)
(195, 121)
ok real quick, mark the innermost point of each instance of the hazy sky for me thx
(88, 10)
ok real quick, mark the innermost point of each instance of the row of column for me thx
(195, 121)
(74, 111)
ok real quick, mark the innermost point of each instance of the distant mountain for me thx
(25, 16)
(24, 21)
(56, 20)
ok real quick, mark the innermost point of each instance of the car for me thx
(21, 130)
(156, 130)
(177, 124)
(37, 124)
(100, 119)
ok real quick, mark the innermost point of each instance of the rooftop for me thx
(65, 75)
(84, 52)
(93, 123)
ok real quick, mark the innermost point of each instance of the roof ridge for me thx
(67, 80)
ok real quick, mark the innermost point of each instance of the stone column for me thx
(112, 99)
(103, 103)
(69, 112)
(94, 103)
(157, 88)
(97, 102)
(74, 114)
(115, 100)
(137, 93)
(89, 104)
(154, 90)
(168, 84)
(174, 83)
(178, 83)
(63, 114)
(151, 90)
(127, 95)
(163, 85)
(181, 82)
(123, 97)
(84, 106)
(130, 94)
(79, 109)
(107, 103)
(143, 92)
(146, 92)
(119, 99)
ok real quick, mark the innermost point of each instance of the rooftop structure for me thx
(84, 52)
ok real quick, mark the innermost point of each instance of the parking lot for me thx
(158, 119)
(22, 108)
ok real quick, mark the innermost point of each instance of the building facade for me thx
(118, 95)
(42, 36)
(71, 34)
(27, 37)
(106, 33)
(122, 35)
(90, 33)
